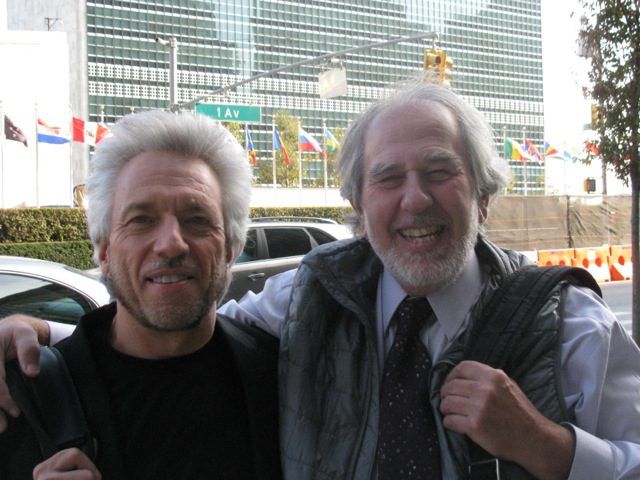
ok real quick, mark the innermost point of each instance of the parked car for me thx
(48, 290)
(277, 244)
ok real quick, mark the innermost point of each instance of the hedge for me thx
(60, 234)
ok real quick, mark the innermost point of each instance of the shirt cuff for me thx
(593, 457)
(59, 331)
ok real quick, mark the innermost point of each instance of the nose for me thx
(415, 195)
(170, 241)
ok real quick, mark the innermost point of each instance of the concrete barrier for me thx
(595, 261)
(556, 257)
(620, 265)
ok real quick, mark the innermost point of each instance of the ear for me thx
(359, 230)
(483, 209)
(103, 258)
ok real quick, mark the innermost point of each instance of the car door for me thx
(269, 250)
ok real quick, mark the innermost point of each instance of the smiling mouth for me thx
(168, 279)
(421, 233)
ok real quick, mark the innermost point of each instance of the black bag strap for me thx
(512, 307)
(51, 405)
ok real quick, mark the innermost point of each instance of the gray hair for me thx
(188, 136)
(488, 170)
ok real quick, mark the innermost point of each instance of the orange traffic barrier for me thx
(593, 259)
(620, 266)
(555, 257)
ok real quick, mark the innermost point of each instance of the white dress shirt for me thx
(599, 362)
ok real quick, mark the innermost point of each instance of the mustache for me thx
(175, 262)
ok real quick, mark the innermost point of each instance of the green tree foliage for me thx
(286, 175)
(332, 160)
(236, 131)
(610, 37)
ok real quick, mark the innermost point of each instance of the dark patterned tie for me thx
(407, 440)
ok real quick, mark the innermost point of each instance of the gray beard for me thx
(431, 271)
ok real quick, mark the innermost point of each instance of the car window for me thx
(286, 242)
(320, 236)
(250, 251)
(41, 298)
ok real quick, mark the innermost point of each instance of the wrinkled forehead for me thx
(421, 124)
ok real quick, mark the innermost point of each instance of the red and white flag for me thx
(89, 133)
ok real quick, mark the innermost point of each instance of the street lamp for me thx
(172, 45)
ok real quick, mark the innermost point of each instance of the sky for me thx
(566, 110)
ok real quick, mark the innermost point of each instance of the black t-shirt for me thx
(180, 418)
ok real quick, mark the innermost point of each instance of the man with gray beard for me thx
(169, 388)
(367, 391)
(420, 170)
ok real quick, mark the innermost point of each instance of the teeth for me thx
(169, 279)
(419, 232)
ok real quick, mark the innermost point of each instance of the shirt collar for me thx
(451, 304)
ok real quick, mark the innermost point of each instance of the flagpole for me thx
(71, 156)
(525, 162)
(2, 139)
(273, 154)
(246, 143)
(37, 159)
(299, 163)
(326, 154)
(564, 169)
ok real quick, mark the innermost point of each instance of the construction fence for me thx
(556, 222)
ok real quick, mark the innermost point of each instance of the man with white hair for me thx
(169, 388)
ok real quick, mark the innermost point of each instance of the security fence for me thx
(549, 222)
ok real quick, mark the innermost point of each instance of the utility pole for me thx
(172, 45)
(408, 38)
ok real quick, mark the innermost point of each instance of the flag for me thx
(591, 147)
(49, 134)
(531, 149)
(513, 150)
(332, 144)
(308, 143)
(250, 149)
(549, 151)
(567, 154)
(277, 144)
(13, 132)
(90, 133)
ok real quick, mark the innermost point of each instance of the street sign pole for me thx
(433, 36)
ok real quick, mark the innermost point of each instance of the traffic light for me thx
(433, 58)
(446, 70)
(595, 116)
(439, 63)
(589, 185)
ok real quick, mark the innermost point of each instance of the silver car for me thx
(277, 244)
(48, 290)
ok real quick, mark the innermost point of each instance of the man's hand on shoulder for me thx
(19, 337)
(491, 409)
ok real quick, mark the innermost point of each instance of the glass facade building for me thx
(496, 46)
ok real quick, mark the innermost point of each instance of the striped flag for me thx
(250, 149)
(49, 134)
(277, 144)
(308, 143)
(514, 150)
(332, 144)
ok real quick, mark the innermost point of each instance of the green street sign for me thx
(229, 113)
